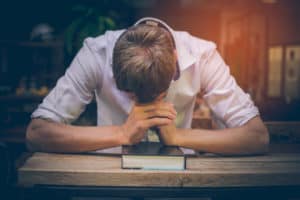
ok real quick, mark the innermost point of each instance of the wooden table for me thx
(276, 174)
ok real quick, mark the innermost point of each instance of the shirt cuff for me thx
(47, 114)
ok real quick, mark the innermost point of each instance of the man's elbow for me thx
(257, 137)
(262, 140)
(33, 135)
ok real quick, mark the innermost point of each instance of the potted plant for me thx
(93, 20)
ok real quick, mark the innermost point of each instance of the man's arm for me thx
(246, 133)
(47, 136)
(251, 138)
(44, 135)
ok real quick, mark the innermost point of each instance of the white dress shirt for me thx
(201, 69)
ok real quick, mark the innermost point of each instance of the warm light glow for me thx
(269, 1)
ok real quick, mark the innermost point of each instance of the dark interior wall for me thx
(284, 23)
(202, 18)
(283, 28)
(197, 18)
(17, 18)
(24, 59)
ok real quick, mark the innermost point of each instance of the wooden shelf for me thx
(13, 135)
(17, 98)
(32, 44)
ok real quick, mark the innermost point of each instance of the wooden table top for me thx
(277, 168)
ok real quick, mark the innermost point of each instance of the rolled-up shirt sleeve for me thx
(227, 101)
(73, 91)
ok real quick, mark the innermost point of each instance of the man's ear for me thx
(177, 72)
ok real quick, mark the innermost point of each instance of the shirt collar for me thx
(185, 59)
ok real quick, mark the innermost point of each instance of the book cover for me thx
(152, 156)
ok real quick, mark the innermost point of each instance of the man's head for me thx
(144, 61)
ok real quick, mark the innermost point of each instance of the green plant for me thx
(89, 23)
(91, 20)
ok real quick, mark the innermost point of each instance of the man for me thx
(143, 77)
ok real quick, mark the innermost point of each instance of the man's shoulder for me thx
(193, 43)
(104, 41)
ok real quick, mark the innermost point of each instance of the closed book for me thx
(152, 156)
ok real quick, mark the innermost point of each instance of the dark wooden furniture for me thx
(276, 174)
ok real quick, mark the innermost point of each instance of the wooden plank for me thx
(271, 157)
(157, 178)
(287, 132)
(284, 148)
(71, 162)
(90, 170)
(283, 124)
(243, 166)
(48, 161)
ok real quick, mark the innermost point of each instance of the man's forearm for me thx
(48, 136)
(227, 142)
(251, 138)
(44, 135)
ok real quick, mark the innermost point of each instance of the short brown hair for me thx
(144, 61)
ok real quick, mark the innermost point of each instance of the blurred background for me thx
(259, 40)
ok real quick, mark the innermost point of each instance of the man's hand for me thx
(143, 117)
(168, 134)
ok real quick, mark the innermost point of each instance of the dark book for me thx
(152, 156)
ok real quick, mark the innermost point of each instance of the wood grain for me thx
(204, 171)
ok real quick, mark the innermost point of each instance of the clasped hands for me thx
(142, 117)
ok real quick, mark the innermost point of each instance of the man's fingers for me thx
(157, 122)
(161, 114)
(158, 106)
(152, 111)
